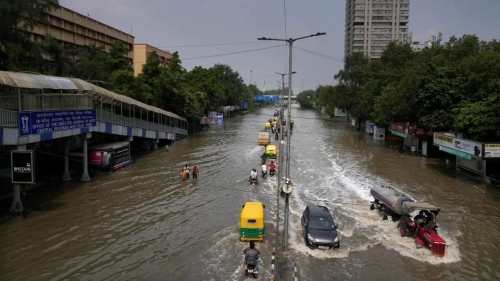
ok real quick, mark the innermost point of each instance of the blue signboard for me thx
(41, 122)
(219, 119)
(267, 98)
(276, 97)
(258, 97)
(245, 105)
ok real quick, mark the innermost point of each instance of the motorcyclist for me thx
(291, 124)
(263, 158)
(252, 256)
(264, 169)
(253, 174)
(272, 168)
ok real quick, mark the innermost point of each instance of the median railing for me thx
(8, 118)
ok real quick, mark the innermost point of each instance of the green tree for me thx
(17, 51)
(306, 98)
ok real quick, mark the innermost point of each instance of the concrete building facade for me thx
(72, 28)
(372, 24)
(142, 53)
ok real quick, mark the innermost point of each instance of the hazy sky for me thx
(169, 23)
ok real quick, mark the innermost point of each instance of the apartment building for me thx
(72, 28)
(371, 25)
(142, 53)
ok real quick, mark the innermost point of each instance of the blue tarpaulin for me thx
(258, 97)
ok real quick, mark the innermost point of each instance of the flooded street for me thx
(142, 223)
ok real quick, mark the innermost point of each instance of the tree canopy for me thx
(448, 87)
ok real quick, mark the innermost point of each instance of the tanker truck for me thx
(422, 227)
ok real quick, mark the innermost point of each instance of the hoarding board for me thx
(258, 97)
(245, 105)
(47, 121)
(23, 167)
(267, 98)
(458, 144)
(492, 150)
(219, 119)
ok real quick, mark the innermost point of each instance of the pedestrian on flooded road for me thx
(186, 169)
(183, 174)
(195, 171)
(413, 150)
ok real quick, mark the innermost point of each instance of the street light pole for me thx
(290, 46)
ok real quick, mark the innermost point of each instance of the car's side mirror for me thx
(303, 222)
(336, 226)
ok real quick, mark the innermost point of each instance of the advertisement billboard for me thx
(41, 122)
(22, 167)
(458, 144)
(492, 150)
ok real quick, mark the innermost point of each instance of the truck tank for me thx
(391, 198)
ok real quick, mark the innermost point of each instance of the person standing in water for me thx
(186, 169)
(195, 171)
(183, 174)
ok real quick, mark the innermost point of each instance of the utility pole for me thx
(251, 71)
(290, 42)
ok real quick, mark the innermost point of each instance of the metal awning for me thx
(38, 81)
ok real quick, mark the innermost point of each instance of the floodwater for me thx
(142, 223)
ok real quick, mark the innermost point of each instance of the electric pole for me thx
(289, 184)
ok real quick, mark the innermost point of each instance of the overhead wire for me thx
(233, 53)
(214, 44)
(320, 55)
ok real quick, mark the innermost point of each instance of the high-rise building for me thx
(71, 28)
(370, 25)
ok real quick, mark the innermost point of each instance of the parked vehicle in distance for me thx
(320, 231)
(110, 156)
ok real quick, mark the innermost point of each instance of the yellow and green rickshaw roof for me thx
(253, 210)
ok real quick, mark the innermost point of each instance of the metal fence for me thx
(109, 117)
(8, 118)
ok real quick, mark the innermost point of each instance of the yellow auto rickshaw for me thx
(271, 151)
(267, 126)
(252, 222)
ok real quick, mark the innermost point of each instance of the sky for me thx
(172, 24)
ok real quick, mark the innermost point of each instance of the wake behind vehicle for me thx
(422, 227)
(250, 271)
(252, 222)
(253, 180)
(320, 231)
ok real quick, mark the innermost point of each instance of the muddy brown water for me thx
(142, 223)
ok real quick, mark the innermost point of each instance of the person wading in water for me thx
(195, 171)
